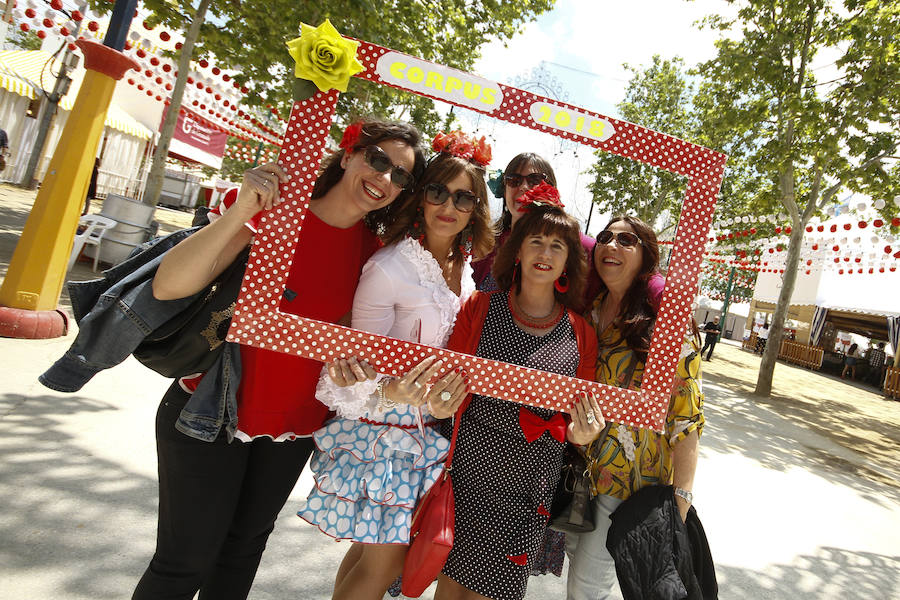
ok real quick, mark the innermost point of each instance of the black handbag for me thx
(192, 341)
(572, 510)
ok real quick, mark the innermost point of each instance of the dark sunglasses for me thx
(381, 162)
(533, 179)
(463, 200)
(626, 239)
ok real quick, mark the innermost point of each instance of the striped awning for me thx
(26, 72)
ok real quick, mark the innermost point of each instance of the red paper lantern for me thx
(858, 259)
(93, 26)
(877, 223)
(809, 229)
(168, 87)
(835, 247)
(833, 228)
(56, 4)
(226, 77)
(820, 228)
(881, 269)
(807, 272)
(730, 236)
(166, 67)
(140, 52)
(895, 222)
(130, 81)
(848, 226)
(24, 27)
(178, 45)
(871, 270)
(809, 262)
(815, 246)
(203, 63)
(154, 61)
(41, 33)
(47, 23)
(147, 26)
(837, 260)
(787, 229)
(893, 269)
(862, 224)
(897, 254)
(72, 47)
(164, 36)
(140, 86)
(846, 259)
(887, 249)
(840, 271)
(29, 12)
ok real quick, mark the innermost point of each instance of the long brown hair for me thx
(637, 312)
(545, 220)
(444, 168)
(536, 161)
(374, 131)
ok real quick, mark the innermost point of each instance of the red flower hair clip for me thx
(458, 144)
(543, 194)
(351, 136)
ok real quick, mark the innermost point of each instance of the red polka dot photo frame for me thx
(259, 322)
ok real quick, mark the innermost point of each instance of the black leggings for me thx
(217, 506)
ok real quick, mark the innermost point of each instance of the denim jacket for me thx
(115, 313)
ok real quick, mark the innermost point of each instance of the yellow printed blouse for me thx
(629, 458)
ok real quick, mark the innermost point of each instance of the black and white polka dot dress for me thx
(503, 484)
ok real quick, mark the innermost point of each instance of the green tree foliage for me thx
(251, 37)
(24, 40)
(798, 140)
(658, 97)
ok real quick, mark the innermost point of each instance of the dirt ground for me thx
(854, 415)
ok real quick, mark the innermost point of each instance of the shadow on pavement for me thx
(66, 512)
(827, 574)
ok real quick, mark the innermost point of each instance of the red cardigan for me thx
(470, 321)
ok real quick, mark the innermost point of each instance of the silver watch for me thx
(686, 495)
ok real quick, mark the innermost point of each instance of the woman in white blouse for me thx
(382, 452)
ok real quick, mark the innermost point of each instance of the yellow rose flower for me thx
(324, 57)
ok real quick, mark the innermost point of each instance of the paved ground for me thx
(798, 493)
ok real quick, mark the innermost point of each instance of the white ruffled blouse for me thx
(401, 294)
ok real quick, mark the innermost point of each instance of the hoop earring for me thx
(465, 242)
(562, 283)
(417, 228)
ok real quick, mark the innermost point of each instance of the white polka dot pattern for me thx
(257, 321)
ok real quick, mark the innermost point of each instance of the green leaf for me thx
(303, 89)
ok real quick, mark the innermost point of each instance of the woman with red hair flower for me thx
(222, 483)
(381, 452)
(508, 457)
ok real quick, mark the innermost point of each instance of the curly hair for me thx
(444, 168)
(537, 162)
(374, 131)
(544, 220)
(637, 312)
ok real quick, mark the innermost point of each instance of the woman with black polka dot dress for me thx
(508, 456)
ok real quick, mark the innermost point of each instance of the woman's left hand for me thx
(587, 420)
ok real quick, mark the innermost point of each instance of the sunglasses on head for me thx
(463, 200)
(533, 179)
(626, 239)
(381, 162)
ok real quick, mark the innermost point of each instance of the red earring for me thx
(562, 283)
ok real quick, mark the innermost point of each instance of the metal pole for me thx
(726, 303)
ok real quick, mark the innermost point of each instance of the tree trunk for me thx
(776, 329)
(158, 168)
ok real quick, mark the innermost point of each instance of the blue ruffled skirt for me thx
(369, 475)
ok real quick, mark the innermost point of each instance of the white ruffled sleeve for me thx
(373, 311)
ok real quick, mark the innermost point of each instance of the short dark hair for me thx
(443, 168)
(374, 131)
(524, 159)
(546, 220)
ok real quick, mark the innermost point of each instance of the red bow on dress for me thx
(534, 427)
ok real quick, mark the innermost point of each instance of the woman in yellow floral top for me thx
(626, 459)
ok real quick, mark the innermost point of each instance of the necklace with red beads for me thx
(527, 320)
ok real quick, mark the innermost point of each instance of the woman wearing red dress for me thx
(219, 500)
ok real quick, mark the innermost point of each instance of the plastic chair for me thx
(95, 227)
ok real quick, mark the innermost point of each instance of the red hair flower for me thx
(351, 136)
(458, 144)
(543, 194)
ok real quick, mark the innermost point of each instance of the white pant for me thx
(592, 571)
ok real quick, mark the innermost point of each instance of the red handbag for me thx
(431, 532)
